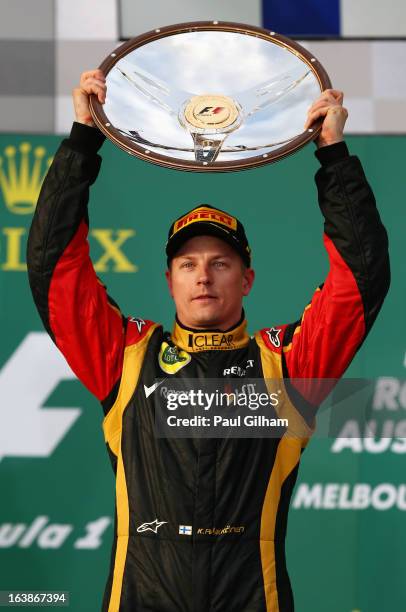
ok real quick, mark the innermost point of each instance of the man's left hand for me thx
(329, 106)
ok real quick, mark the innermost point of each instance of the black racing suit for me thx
(200, 522)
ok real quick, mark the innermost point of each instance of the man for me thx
(201, 522)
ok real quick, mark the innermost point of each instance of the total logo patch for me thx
(171, 359)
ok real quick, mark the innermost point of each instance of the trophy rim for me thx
(126, 144)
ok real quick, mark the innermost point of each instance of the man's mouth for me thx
(204, 297)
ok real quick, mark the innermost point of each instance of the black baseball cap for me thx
(205, 220)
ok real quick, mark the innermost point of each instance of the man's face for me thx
(207, 280)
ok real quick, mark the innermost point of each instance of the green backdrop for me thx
(57, 486)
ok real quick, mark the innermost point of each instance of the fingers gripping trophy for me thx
(329, 107)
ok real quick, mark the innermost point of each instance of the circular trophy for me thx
(209, 96)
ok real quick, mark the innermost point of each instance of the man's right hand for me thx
(91, 82)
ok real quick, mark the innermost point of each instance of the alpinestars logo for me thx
(154, 526)
(139, 323)
(273, 335)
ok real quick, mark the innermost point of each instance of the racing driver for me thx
(200, 522)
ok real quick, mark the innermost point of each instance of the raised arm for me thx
(335, 323)
(82, 320)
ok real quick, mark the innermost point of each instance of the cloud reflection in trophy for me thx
(211, 98)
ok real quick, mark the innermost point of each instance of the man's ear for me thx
(248, 281)
(168, 277)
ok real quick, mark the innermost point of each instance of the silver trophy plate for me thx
(209, 96)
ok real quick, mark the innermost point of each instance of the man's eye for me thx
(187, 264)
(219, 264)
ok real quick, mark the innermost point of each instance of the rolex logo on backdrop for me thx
(22, 171)
(23, 168)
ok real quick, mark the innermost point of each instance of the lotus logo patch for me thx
(171, 359)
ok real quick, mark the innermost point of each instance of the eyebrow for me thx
(216, 256)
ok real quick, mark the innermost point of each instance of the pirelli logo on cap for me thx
(206, 214)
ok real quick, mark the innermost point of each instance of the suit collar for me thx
(196, 340)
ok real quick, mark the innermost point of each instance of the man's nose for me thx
(204, 276)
